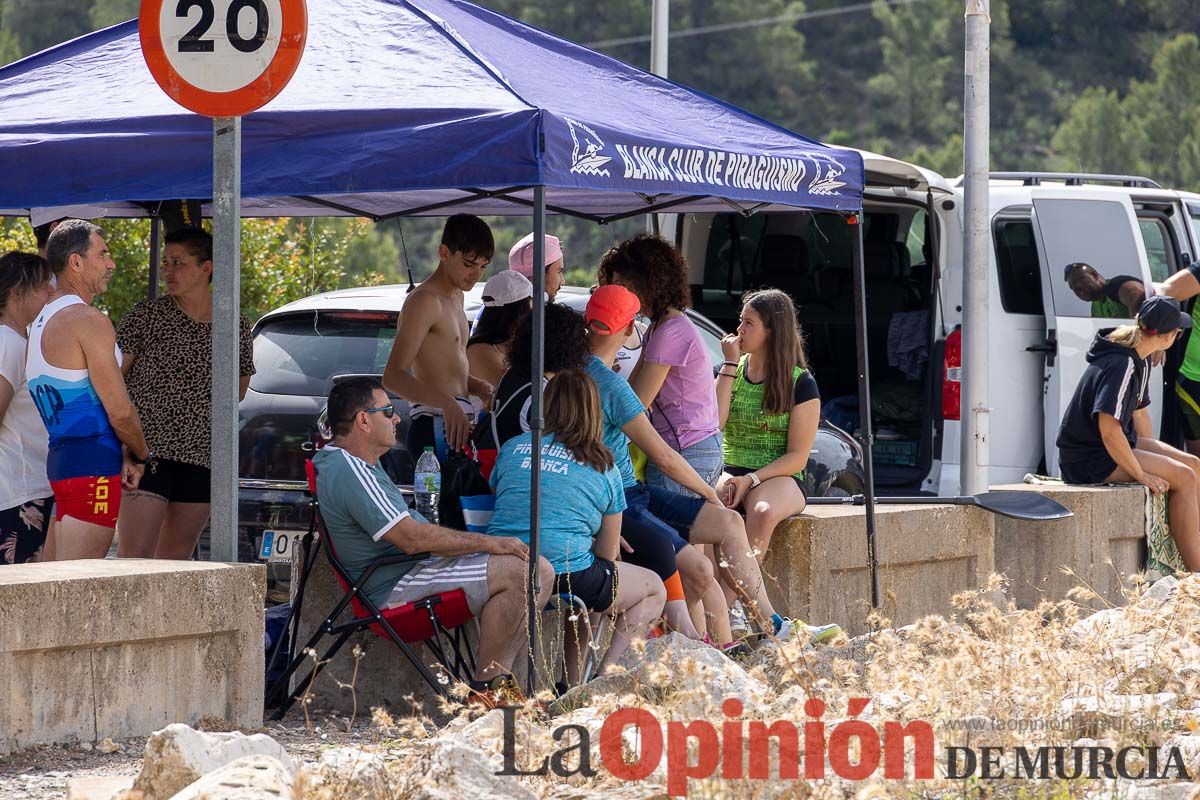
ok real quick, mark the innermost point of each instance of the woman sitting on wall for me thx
(1105, 436)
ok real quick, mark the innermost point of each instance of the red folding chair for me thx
(438, 621)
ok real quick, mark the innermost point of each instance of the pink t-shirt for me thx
(685, 411)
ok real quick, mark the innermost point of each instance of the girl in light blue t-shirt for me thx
(580, 529)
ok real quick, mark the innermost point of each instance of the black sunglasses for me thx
(389, 410)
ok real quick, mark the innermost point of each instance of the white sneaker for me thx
(737, 620)
(817, 634)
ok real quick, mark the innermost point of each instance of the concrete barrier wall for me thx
(1102, 545)
(121, 648)
(817, 568)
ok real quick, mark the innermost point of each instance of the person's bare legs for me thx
(641, 597)
(767, 505)
(181, 530)
(575, 640)
(140, 521)
(77, 539)
(48, 549)
(502, 619)
(724, 528)
(697, 576)
(1182, 505)
(1164, 449)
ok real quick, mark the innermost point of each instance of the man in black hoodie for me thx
(1106, 434)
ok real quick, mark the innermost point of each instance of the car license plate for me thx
(278, 545)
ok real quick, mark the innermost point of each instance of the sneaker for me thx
(501, 692)
(737, 620)
(818, 634)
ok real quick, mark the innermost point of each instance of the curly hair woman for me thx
(566, 347)
(675, 377)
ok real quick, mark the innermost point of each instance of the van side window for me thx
(1194, 212)
(1159, 250)
(1018, 269)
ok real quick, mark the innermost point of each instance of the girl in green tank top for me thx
(769, 410)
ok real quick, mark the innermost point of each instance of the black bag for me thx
(461, 477)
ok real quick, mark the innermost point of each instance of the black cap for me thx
(1161, 314)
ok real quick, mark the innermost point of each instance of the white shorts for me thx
(442, 574)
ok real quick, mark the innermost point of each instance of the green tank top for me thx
(1109, 309)
(754, 439)
(1190, 368)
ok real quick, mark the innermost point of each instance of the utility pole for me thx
(976, 143)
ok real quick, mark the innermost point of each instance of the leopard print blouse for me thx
(170, 381)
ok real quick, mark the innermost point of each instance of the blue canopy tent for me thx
(403, 107)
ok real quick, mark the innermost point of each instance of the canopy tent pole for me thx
(864, 394)
(227, 243)
(537, 370)
(660, 39)
(155, 257)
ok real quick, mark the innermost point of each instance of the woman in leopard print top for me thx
(167, 347)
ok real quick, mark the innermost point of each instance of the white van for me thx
(912, 230)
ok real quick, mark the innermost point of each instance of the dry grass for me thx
(1122, 677)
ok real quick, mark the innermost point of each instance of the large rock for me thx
(694, 678)
(459, 769)
(178, 756)
(258, 777)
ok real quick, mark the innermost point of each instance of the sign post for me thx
(223, 59)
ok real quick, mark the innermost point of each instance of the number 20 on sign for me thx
(222, 58)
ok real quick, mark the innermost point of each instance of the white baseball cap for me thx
(506, 287)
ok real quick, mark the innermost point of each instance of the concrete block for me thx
(816, 566)
(1103, 544)
(120, 648)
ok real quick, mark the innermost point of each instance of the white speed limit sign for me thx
(222, 58)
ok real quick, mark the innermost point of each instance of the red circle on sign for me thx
(253, 95)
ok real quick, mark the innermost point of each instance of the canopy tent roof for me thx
(400, 105)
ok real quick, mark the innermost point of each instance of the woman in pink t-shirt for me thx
(674, 378)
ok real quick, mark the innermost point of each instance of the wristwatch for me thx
(141, 461)
(754, 479)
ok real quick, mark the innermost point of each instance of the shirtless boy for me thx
(74, 373)
(431, 340)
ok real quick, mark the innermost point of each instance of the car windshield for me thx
(299, 354)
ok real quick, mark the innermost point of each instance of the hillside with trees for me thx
(1101, 86)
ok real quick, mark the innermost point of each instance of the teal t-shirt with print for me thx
(619, 404)
(575, 498)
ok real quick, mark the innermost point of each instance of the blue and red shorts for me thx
(94, 499)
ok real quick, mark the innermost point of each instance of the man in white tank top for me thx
(74, 375)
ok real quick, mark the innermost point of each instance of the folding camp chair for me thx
(477, 511)
(438, 620)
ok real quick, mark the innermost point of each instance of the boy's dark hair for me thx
(198, 241)
(41, 233)
(346, 399)
(21, 271)
(71, 237)
(565, 337)
(469, 235)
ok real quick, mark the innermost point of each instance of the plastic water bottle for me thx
(427, 485)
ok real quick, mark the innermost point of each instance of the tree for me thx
(1094, 136)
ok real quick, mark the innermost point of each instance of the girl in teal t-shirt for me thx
(582, 502)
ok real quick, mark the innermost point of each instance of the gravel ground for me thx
(43, 772)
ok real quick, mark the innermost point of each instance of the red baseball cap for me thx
(611, 308)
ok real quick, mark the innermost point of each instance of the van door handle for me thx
(1049, 347)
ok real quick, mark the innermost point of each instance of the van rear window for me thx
(299, 354)
(1020, 275)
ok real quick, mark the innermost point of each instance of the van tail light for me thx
(952, 378)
